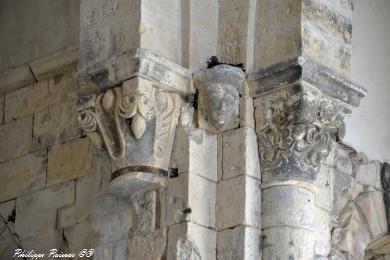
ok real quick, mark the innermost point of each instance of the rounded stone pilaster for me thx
(297, 126)
(293, 226)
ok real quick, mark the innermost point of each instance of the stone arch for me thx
(359, 224)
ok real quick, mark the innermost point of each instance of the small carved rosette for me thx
(136, 123)
(296, 128)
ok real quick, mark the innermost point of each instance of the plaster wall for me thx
(33, 29)
(368, 130)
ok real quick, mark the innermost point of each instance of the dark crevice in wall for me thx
(32, 73)
(385, 180)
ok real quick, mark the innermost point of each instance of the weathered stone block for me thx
(149, 247)
(278, 45)
(117, 250)
(56, 125)
(122, 25)
(343, 161)
(239, 243)
(298, 203)
(219, 156)
(43, 242)
(80, 236)
(104, 252)
(15, 139)
(62, 87)
(86, 192)
(372, 207)
(88, 189)
(201, 41)
(22, 175)
(315, 29)
(238, 202)
(7, 214)
(354, 236)
(232, 31)
(191, 197)
(240, 153)
(6, 209)
(190, 241)
(336, 255)
(41, 208)
(69, 161)
(247, 118)
(277, 14)
(1, 109)
(15, 78)
(8, 243)
(345, 188)
(328, 19)
(147, 212)
(26, 101)
(288, 243)
(325, 50)
(54, 63)
(323, 183)
(273, 15)
(189, 155)
(112, 219)
(369, 174)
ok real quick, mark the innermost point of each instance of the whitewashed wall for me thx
(368, 130)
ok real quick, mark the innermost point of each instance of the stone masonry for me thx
(137, 145)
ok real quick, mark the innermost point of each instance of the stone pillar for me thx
(296, 126)
(131, 86)
(302, 94)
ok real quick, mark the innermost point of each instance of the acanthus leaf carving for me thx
(296, 127)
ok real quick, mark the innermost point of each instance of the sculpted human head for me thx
(220, 102)
(218, 95)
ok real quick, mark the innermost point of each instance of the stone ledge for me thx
(380, 245)
(299, 69)
(19, 76)
(15, 78)
(138, 62)
(46, 66)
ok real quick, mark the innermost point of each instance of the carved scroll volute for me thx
(136, 123)
(296, 129)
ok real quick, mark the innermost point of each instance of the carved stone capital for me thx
(218, 97)
(136, 123)
(297, 125)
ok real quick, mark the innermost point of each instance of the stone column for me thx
(296, 126)
(301, 96)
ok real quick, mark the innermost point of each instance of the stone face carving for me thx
(296, 127)
(218, 99)
(136, 122)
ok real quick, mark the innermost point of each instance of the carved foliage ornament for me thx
(296, 128)
(116, 114)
